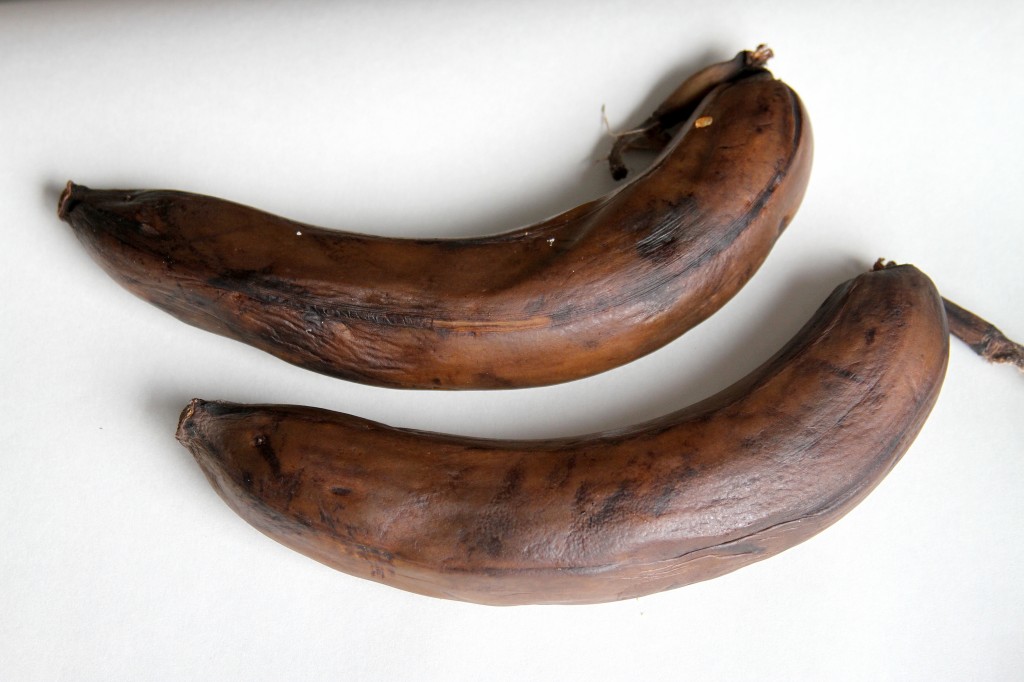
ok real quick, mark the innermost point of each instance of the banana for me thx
(733, 479)
(590, 289)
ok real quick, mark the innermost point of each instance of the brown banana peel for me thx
(733, 479)
(585, 291)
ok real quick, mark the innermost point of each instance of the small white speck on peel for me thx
(298, 233)
(551, 242)
(703, 122)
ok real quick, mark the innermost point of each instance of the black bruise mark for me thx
(488, 535)
(534, 306)
(511, 485)
(313, 308)
(498, 522)
(191, 429)
(364, 551)
(582, 497)
(613, 506)
(492, 545)
(327, 520)
(869, 335)
(660, 504)
(562, 315)
(247, 480)
(266, 451)
(896, 314)
(560, 475)
(845, 373)
(336, 490)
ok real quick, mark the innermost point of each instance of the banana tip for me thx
(68, 198)
(186, 428)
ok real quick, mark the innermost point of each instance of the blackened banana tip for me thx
(186, 426)
(68, 198)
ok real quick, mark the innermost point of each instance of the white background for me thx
(117, 559)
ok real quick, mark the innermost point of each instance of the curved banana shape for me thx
(736, 478)
(585, 291)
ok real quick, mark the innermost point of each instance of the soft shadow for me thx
(759, 339)
(163, 409)
(50, 193)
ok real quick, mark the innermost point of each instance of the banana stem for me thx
(982, 336)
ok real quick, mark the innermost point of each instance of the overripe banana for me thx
(580, 293)
(730, 480)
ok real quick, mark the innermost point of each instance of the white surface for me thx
(443, 119)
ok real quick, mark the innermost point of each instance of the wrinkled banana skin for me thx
(733, 479)
(583, 292)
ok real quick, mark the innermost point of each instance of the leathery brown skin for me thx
(654, 133)
(585, 291)
(733, 479)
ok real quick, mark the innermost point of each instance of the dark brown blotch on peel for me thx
(613, 508)
(511, 485)
(266, 451)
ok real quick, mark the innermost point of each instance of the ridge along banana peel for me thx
(583, 292)
(733, 479)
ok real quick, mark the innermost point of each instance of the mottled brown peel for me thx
(730, 480)
(980, 335)
(585, 291)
